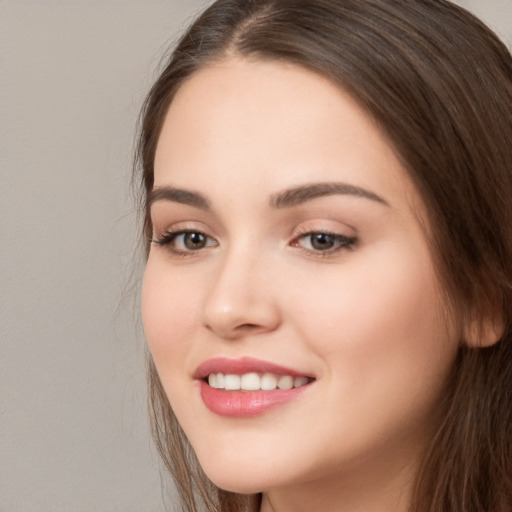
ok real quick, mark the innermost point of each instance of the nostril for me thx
(248, 327)
(238, 328)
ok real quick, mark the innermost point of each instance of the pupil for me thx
(194, 240)
(322, 241)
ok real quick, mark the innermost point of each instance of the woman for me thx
(328, 290)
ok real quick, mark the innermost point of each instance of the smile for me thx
(255, 381)
(243, 388)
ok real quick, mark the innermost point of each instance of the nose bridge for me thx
(240, 300)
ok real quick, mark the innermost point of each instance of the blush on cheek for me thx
(166, 319)
(378, 309)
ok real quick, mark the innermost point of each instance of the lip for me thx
(241, 366)
(244, 404)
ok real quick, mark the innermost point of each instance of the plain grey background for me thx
(73, 73)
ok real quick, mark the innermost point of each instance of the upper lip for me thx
(241, 366)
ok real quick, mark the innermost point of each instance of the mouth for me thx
(255, 381)
(248, 387)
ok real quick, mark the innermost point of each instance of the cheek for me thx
(385, 353)
(379, 317)
(169, 315)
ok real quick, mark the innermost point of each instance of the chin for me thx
(234, 478)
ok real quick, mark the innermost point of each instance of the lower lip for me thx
(245, 404)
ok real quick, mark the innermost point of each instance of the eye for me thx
(323, 242)
(185, 241)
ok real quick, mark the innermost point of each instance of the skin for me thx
(366, 320)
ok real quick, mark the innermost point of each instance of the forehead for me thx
(248, 123)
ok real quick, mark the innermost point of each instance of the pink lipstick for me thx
(247, 387)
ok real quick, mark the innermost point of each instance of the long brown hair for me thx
(439, 84)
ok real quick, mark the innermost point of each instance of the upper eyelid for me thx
(307, 227)
(325, 226)
(181, 231)
(180, 226)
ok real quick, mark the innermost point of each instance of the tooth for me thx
(268, 382)
(285, 382)
(253, 382)
(299, 381)
(232, 382)
(250, 382)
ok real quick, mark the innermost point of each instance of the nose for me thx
(241, 301)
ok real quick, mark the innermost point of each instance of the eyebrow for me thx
(178, 195)
(304, 193)
(285, 199)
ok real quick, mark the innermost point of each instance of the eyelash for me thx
(168, 239)
(342, 242)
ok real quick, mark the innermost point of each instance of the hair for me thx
(439, 84)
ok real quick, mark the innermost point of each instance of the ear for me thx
(484, 331)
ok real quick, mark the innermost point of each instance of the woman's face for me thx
(287, 251)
